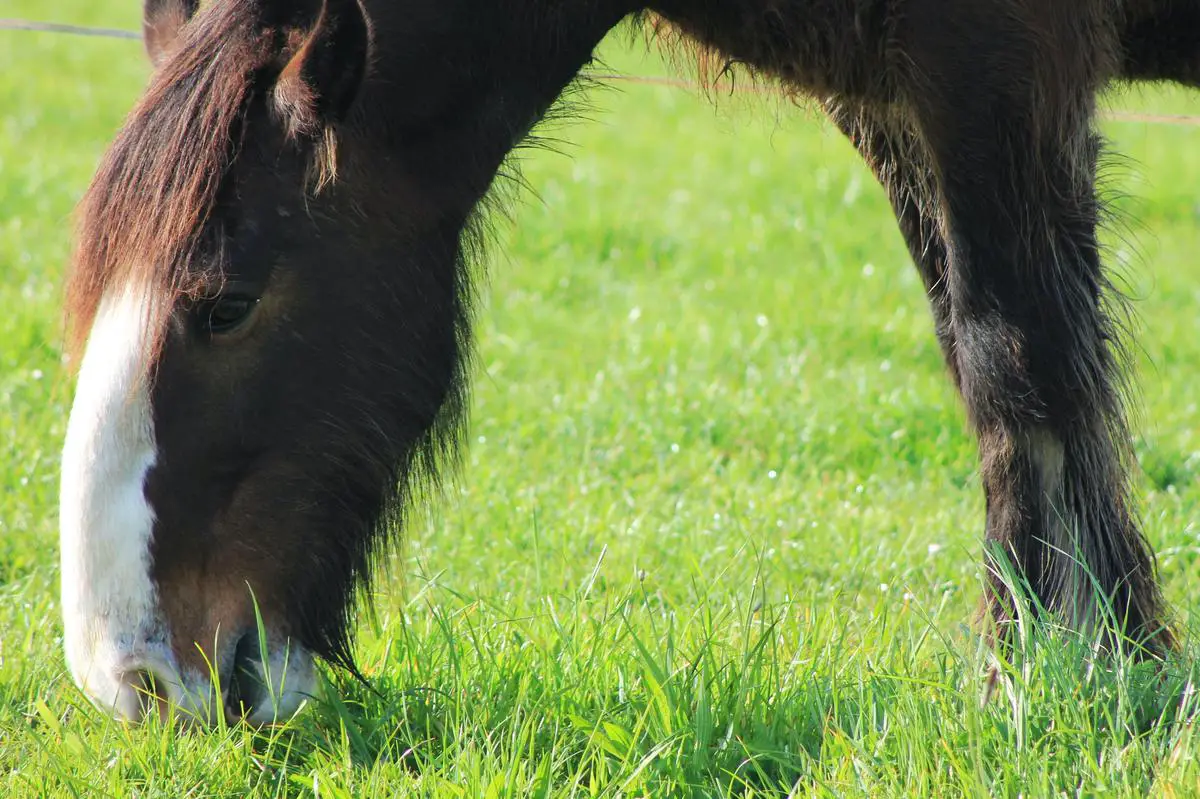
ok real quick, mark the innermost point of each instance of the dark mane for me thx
(140, 220)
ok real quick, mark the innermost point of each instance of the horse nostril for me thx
(246, 684)
(144, 695)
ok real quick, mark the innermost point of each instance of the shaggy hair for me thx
(143, 220)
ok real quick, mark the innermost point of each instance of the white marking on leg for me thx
(1068, 584)
(111, 617)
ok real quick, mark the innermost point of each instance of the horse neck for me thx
(514, 59)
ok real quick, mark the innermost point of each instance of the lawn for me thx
(718, 531)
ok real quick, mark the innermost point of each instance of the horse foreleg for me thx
(1032, 343)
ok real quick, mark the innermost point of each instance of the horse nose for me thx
(246, 684)
(253, 682)
(148, 687)
(142, 683)
(145, 686)
(265, 683)
(140, 694)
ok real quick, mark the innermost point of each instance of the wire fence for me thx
(73, 30)
(1184, 120)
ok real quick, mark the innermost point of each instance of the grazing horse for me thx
(270, 296)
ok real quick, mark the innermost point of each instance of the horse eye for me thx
(225, 314)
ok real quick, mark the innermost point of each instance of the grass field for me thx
(718, 531)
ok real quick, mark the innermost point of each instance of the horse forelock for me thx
(141, 220)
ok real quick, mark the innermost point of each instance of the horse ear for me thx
(161, 23)
(321, 81)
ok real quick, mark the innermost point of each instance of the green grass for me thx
(718, 531)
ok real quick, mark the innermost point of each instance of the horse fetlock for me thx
(1062, 539)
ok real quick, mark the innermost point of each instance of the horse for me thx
(271, 294)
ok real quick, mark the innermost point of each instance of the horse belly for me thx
(819, 46)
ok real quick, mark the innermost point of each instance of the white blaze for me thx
(111, 617)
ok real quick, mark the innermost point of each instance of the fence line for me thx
(73, 30)
(1179, 120)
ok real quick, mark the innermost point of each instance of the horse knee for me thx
(991, 359)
